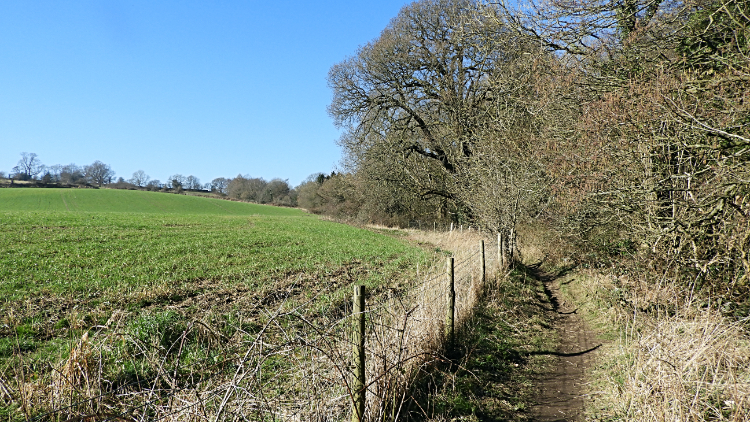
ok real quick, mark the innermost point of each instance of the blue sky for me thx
(208, 88)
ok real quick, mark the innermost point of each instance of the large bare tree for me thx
(415, 96)
(28, 166)
(99, 173)
(452, 101)
(140, 178)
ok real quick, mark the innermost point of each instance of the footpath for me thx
(522, 358)
(561, 390)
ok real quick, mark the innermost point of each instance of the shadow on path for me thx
(560, 397)
(564, 355)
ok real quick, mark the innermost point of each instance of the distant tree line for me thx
(245, 188)
(275, 191)
(30, 168)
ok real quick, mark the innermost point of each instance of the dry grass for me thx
(670, 360)
(411, 333)
(76, 373)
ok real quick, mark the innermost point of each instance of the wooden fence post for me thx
(358, 386)
(451, 312)
(482, 266)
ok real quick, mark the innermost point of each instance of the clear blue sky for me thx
(208, 88)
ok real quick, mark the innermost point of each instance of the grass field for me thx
(71, 260)
(127, 201)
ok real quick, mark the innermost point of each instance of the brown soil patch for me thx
(561, 395)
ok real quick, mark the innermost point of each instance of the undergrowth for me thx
(668, 357)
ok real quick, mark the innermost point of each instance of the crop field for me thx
(139, 268)
(127, 201)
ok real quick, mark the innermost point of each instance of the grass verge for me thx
(491, 372)
(666, 359)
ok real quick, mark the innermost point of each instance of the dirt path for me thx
(561, 390)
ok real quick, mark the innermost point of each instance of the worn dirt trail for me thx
(561, 391)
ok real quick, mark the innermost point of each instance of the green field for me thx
(70, 259)
(127, 201)
(87, 252)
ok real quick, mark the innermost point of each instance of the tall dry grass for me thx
(672, 360)
(409, 334)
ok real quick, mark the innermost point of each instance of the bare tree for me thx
(71, 174)
(176, 181)
(153, 184)
(192, 182)
(99, 173)
(28, 166)
(140, 178)
(412, 101)
(593, 26)
(219, 184)
(449, 103)
(54, 171)
(247, 188)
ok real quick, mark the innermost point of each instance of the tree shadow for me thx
(551, 353)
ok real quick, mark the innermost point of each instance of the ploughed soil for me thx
(561, 390)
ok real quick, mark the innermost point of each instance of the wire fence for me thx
(295, 365)
(440, 226)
